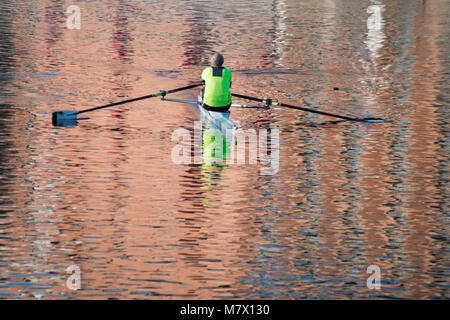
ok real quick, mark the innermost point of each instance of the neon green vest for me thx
(217, 86)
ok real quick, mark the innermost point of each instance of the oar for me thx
(276, 103)
(58, 117)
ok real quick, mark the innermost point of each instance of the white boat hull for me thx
(220, 120)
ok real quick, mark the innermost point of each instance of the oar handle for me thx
(184, 88)
(247, 97)
(158, 94)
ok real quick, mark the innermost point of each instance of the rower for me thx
(216, 94)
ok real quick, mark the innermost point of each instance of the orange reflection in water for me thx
(106, 196)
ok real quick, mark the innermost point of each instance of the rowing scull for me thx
(220, 120)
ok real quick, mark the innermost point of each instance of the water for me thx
(106, 197)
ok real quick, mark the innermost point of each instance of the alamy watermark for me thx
(74, 19)
(374, 280)
(236, 146)
(74, 280)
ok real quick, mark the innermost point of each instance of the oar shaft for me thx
(294, 107)
(318, 112)
(118, 103)
(158, 94)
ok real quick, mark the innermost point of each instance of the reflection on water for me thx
(215, 147)
(106, 196)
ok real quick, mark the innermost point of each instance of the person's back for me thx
(217, 81)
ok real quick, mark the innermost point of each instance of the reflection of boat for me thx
(220, 120)
(217, 134)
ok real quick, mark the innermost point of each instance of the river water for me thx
(104, 202)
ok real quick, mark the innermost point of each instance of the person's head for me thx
(216, 60)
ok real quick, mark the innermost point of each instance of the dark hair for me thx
(216, 60)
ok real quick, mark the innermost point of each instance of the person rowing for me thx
(215, 96)
(216, 79)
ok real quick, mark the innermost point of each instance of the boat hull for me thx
(220, 120)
